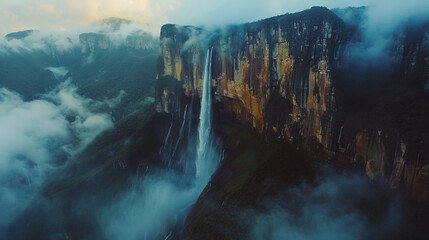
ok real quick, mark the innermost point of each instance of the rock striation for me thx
(281, 77)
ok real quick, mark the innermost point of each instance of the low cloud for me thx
(338, 207)
(371, 58)
(29, 131)
(38, 40)
(60, 42)
(59, 72)
(66, 15)
(382, 26)
(39, 136)
(151, 207)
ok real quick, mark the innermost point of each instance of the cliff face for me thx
(142, 41)
(277, 75)
(400, 161)
(387, 136)
(273, 74)
(91, 41)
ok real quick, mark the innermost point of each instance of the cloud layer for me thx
(60, 42)
(39, 136)
(339, 207)
(371, 59)
(65, 15)
(151, 208)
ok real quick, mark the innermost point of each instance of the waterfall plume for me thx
(207, 153)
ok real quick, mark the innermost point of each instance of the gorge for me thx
(307, 125)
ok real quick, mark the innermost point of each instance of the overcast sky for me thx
(63, 15)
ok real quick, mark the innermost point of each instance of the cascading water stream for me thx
(162, 200)
(207, 157)
(203, 153)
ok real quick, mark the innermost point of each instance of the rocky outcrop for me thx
(90, 42)
(401, 163)
(141, 40)
(20, 34)
(279, 76)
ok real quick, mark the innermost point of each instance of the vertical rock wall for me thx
(276, 75)
(282, 63)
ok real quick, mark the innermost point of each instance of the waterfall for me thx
(180, 131)
(207, 154)
(167, 138)
(158, 205)
(200, 153)
(339, 136)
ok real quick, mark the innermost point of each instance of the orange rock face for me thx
(276, 76)
(250, 65)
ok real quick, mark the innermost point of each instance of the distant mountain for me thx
(98, 62)
(114, 23)
(19, 35)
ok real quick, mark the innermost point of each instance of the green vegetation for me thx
(25, 73)
(252, 170)
(114, 155)
(130, 70)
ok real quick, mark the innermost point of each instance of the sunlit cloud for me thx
(45, 9)
(63, 15)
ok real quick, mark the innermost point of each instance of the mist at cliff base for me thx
(338, 207)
